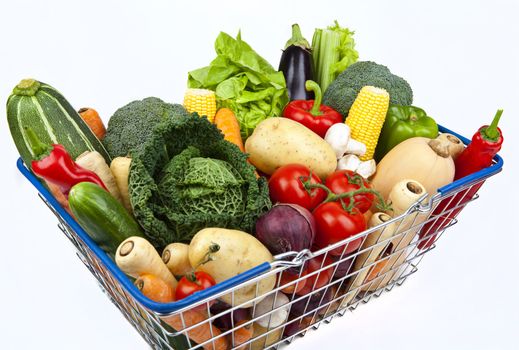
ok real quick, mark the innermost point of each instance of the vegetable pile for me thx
(257, 162)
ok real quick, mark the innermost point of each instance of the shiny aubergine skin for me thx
(296, 65)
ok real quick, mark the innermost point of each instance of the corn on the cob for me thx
(201, 101)
(366, 117)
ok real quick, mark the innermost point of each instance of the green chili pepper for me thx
(402, 123)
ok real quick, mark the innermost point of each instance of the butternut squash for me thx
(424, 160)
(455, 144)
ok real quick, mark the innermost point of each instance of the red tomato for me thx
(338, 183)
(190, 284)
(335, 224)
(285, 186)
(288, 276)
(319, 279)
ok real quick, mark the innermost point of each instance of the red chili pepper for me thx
(478, 155)
(311, 113)
(54, 164)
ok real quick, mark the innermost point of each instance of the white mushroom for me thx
(349, 162)
(355, 147)
(367, 168)
(276, 318)
(338, 136)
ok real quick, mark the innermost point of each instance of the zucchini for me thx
(104, 219)
(53, 119)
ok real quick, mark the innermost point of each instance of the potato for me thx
(228, 253)
(279, 141)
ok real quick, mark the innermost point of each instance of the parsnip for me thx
(136, 256)
(95, 162)
(176, 258)
(403, 195)
(120, 168)
(370, 255)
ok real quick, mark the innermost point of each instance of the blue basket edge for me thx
(165, 308)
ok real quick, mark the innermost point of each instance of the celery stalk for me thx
(333, 50)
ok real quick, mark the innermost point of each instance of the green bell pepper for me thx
(402, 123)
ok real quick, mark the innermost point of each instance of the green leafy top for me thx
(333, 50)
(243, 81)
(188, 177)
(347, 53)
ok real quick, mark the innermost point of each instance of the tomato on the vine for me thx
(285, 186)
(192, 283)
(334, 223)
(347, 181)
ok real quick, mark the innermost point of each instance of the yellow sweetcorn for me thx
(201, 101)
(366, 117)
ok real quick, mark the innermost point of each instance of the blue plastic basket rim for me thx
(166, 308)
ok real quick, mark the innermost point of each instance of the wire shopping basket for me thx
(310, 287)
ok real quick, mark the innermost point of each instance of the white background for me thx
(460, 58)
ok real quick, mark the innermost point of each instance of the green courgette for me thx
(104, 219)
(52, 118)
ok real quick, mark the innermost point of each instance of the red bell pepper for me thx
(478, 155)
(55, 165)
(311, 113)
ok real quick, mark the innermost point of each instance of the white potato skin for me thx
(238, 252)
(280, 141)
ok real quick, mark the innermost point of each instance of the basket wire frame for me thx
(324, 302)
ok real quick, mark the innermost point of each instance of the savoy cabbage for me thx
(187, 177)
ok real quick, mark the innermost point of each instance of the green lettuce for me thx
(243, 81)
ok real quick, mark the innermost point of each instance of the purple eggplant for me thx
(296, 65)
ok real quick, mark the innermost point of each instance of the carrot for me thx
(93, 120)
(158, 290)
(201, 333)
(155, 288)
(226, 121)
(60, 197)
(243, 334)
(379, 266)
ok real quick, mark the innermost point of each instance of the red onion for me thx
(300, 307)
(296, 326)
(344, 267)
(224, 322)
(285, 228)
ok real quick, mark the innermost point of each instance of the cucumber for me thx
(104, 219)
(53, 119)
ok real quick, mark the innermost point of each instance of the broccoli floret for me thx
(342, 91)
(132, 125)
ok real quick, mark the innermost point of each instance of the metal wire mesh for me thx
(311, 288)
